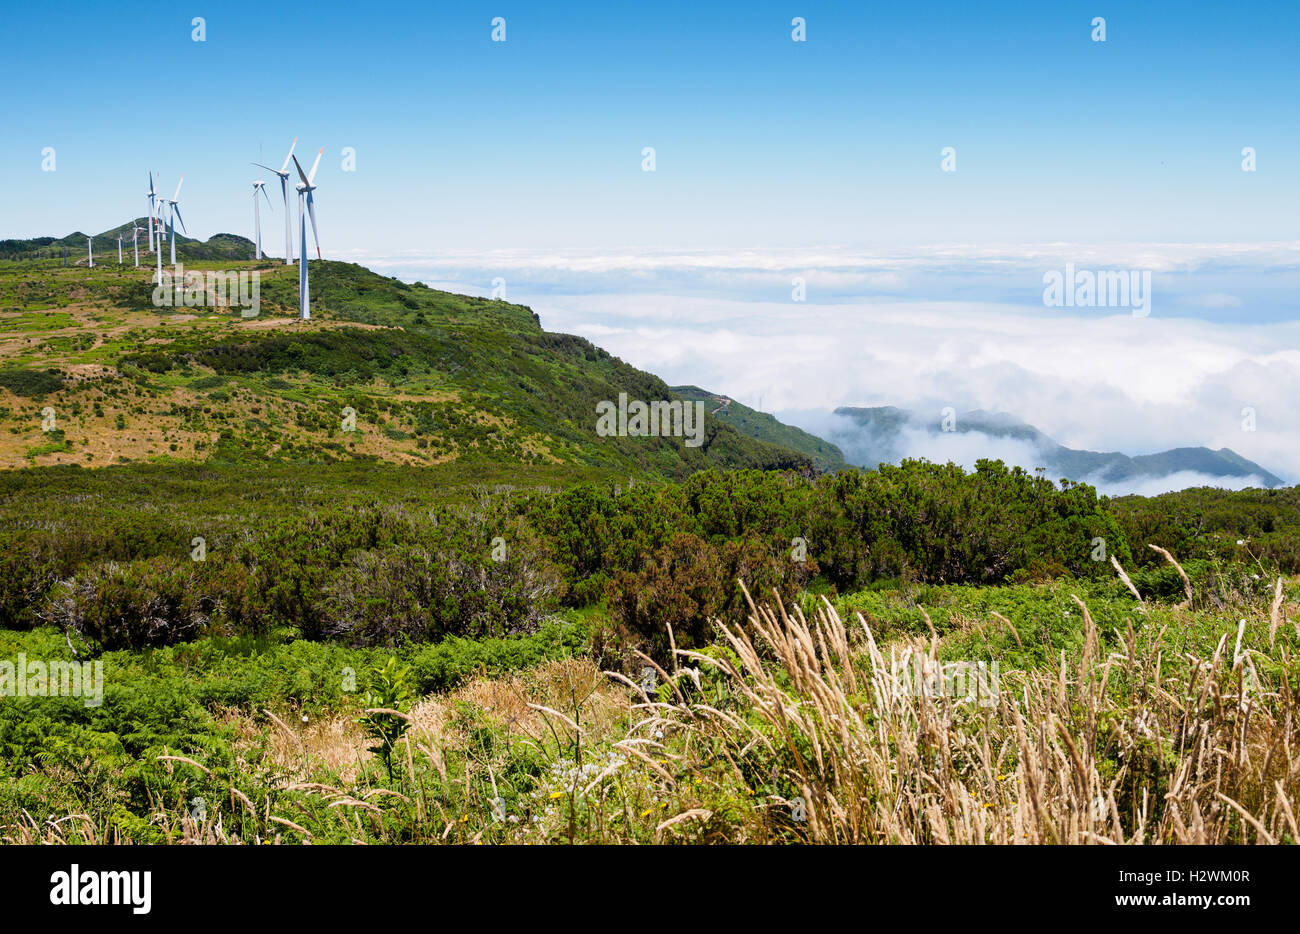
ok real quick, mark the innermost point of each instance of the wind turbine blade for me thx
(311, 176)
(178, 188)
(284, 168)
(311, 209)
(262, 189)
(267, 167)
(300, 172)
(176, 208)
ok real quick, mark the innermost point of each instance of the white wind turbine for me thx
(283, 172)
(158, 220)
(174, 215)
(158, 252)
(90, 250)
(119, 248)
(135, 241)
(305, 189)
(152, 195)
(259, 185)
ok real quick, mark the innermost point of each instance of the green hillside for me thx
(384, 371)
(826, 457)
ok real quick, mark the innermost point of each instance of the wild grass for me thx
(1119, 744)
(1169, 724)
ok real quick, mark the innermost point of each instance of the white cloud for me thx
(960, 325)
(1158, 257)
(1137, 385)
(1179, 480)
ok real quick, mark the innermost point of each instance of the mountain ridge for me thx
(883, 427)
(217, 247)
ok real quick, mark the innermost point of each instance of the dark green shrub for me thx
(152, 602)
(31, 383)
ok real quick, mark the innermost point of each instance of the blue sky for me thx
(760, 141)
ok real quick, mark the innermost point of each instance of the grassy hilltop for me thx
(430, 378)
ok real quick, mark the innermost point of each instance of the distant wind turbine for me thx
(90, 250)
(258, 185)
(158, 254)
(119, 248)
(283, 172)
(305, 189)
(174, 215)
(135, 241)
(159, 219)
(152, 195)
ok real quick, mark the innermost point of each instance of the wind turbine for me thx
(152, 195)
(158, 252)
(119, 248)
(306, 188)
(259, 185)
(90, 251)
(156, 220)
(135, 241)
(283, 172)
(175, 215)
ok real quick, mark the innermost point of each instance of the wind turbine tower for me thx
(174, 215)
(152, 195)
(283, 172)
(305, 191)
(135, 241)
(258, 185)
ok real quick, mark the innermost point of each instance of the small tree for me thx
(384, 720)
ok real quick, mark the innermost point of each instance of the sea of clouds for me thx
(958, 326)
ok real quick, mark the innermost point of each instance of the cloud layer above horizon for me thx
(956, 326)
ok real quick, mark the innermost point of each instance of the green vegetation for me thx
(34, 384)
(826, 457)
(246, 740)
(384, 371)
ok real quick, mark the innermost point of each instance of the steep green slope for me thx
(826, 457)
(383, 371)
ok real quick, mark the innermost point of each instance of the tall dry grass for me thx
(1120, 746)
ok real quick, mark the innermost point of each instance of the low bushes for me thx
(133, 605)
(688, 583)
